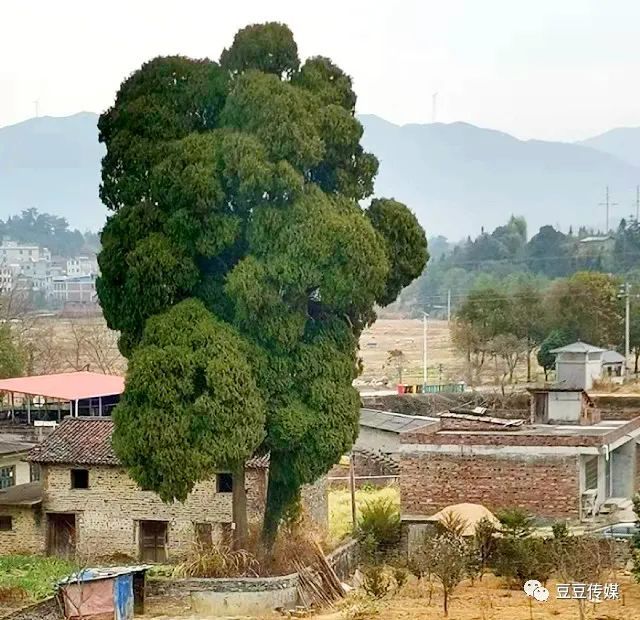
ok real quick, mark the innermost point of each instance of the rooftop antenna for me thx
(434, 107)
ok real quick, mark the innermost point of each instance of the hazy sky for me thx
(550, 69)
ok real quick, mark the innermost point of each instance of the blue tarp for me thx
(123, 597)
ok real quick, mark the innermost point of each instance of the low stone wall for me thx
(48, 609)
(344, 560)
(248, 595)
(244, 596)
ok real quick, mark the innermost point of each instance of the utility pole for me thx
(448, 306)
(637, 202)
(608, 204)
(424, 348)
(625, 293)
(352, 485)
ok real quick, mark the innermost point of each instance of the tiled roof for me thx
(78, 441)
(87, 441)
(578, 347)
(22, 495)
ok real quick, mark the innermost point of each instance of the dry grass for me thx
(340, 522)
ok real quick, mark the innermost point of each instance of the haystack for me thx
(471, 513)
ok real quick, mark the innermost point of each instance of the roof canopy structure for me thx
(578, 347)
(66, 386)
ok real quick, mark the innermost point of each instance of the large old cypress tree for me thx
(239, 266)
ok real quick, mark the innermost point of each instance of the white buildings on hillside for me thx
(32, 268)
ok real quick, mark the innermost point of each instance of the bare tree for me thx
(444, 556)
(396, 359)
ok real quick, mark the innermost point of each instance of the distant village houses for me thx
(30, 268)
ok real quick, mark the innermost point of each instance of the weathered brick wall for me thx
(315, 501)
(27, 532)
(256, 485)
(545, 486)
(108, 511)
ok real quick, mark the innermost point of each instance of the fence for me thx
(425, 388)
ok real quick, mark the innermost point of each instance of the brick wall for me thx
(27, 531)
(545, 486)
(108, 511)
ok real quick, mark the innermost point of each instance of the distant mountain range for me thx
(457, 177)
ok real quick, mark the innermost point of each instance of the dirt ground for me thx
(486, 600)
(489, 600)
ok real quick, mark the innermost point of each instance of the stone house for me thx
(87, 504)
(568, 470)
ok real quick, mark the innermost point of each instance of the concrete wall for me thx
(565, 406)
(623, 469)
(546, 486)
(572, 374)
(23, 475)
(27, 532)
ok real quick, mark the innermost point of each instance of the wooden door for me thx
(153, 541)
(61, 536)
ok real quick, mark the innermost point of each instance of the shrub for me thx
(560, 531)
(521, 559)
(485, 542)
(380, 521)
(515, 522)
(400, 576)
(376, 581)
(217, 561)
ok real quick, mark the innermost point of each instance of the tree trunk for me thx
(280, 494)
(239, 508)
(529, 351)
(635, 369)
(446, 603)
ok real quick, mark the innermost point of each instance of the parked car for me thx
(619, 531)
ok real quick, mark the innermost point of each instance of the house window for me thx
(79, 478)
(34, 472)
(6, 523)
(591, 473)
(7, 476)
(225, 483)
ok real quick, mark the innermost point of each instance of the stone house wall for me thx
(546, 486)
(26, 534)
(109, 511)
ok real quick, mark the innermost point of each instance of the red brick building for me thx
(568, 470)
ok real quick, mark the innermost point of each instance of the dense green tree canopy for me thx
(235, 193)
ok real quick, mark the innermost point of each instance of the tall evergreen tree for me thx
(237, 186)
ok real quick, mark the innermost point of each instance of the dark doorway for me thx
(61, 535)
(153, 541)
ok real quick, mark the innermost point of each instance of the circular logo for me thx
(531, 585)
(541, 594)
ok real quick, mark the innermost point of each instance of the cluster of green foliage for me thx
(504, 258)
(32, 576)
(379, 526)
(505, 328)
(239, 266)
(48, 231)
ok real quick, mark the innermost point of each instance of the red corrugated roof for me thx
(66, 385)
